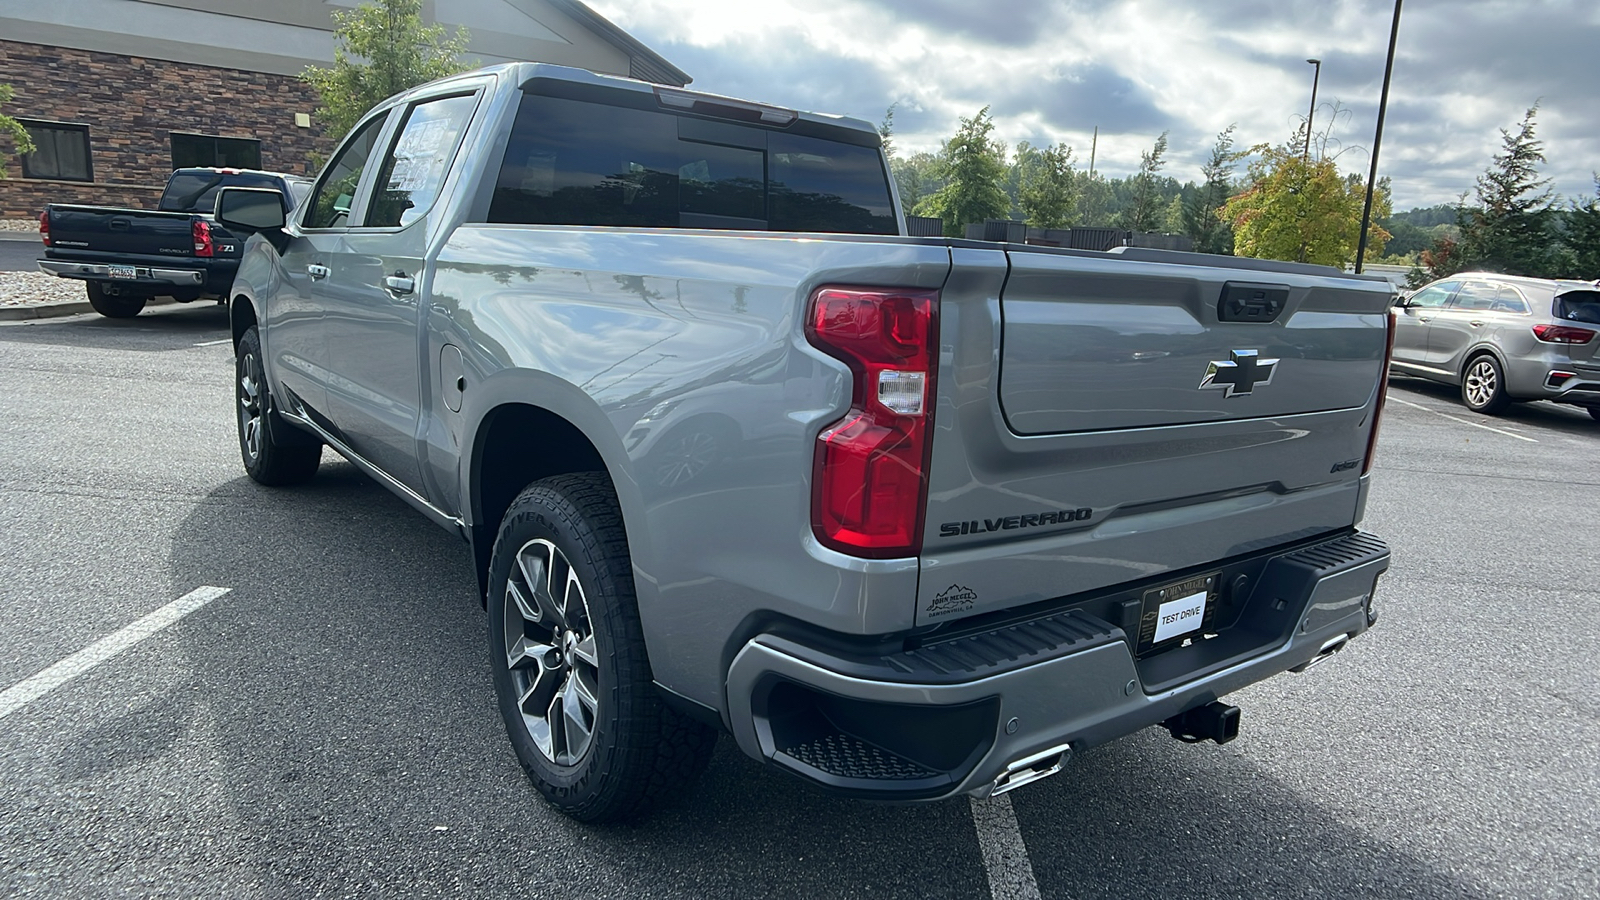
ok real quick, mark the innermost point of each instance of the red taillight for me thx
(1562, 334)
(1383, 391)
(201, 230)
(44, 227)
(869, 482)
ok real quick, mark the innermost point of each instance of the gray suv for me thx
(1503, 339)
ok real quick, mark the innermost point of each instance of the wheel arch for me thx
(1477, 350)
(515, 442)
(241, 316)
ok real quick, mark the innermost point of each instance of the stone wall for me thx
(131, 105)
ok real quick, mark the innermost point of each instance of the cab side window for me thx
(415, 169)
(330, 205)
(1434, 295)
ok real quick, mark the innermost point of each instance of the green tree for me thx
(1509, 230)
(20, 141)
(1148, 207)
(1202, 219)
(1582, 237)
(381, 48)
(1295, 208)
(916, 177)
(1047, 191)
(886, 130)
(973, 168)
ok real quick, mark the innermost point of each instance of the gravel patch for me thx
(37, 289)
(20, 225)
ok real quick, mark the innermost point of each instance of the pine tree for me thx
(1583, 237)
(1509, 231)
(973, 168)
(1146, 212)
(1202, 221)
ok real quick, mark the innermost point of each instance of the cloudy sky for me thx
(1051, 70)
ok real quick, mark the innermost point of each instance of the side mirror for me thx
(250, 209)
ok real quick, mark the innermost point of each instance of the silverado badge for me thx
(1240, 375)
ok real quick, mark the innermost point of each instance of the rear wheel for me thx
(570, 671)
(1594, 413)
(1483, 388)
(113, 306)
(273, 454)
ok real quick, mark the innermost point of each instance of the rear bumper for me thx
(147, 276)
(979, 711)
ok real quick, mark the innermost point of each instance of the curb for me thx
(21, 236)
(56, 310)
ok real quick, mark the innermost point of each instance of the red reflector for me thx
(1562, 334)
(201, 229)
(44, 227)
(869, 483)
(1383, 391)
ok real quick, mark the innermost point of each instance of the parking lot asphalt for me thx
(20, 256)
(326, 727)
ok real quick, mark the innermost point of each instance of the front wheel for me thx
(570, 671)
(1483, 387)
(113, 306)
(1594, 413)
(271, 455)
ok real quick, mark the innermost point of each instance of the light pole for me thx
(1377, 138)
(1311, 113)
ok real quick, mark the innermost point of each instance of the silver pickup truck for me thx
(909, 517)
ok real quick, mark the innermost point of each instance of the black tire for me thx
(275, 453)
(1483, 386)
(549, 652)
(1594, 413)
(113, 306)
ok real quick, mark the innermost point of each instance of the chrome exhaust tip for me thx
(1030, 769)
(1329, 647)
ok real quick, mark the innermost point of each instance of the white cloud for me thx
(1054, 69)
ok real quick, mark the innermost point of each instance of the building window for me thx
(190, 150)
(60, 152)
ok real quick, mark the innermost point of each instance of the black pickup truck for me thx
(126, 256)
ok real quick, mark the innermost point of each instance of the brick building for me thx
(117, 93)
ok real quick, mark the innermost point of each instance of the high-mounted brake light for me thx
(44, 227)
(1383, 390)
(869, 482)
(1562, 334)
(201, 230)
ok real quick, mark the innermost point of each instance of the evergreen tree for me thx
(1509, 231)
(973, 168)
(1046, 191)
(381, 49)
(1583, 237)
(1147, 209)
(886, 130)
(1202, 220)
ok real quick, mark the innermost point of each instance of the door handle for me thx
(399, 283)
(1475, 323)
(1424, 318)
(317, 272)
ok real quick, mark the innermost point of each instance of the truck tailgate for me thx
(1102, 420)
(122, 231)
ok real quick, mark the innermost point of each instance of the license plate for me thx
(122, 272)
(1175, 611)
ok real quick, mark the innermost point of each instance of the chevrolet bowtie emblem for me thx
(1240, 375)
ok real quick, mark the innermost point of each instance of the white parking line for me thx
(30, 689)
(214, 343)
(1462, 421)
(1005, 857)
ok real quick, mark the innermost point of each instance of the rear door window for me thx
(578, 163)
(414, 170)
(1475, 296)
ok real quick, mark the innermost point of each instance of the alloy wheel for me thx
(1482, 381)
(250, 411)
(550, 650)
